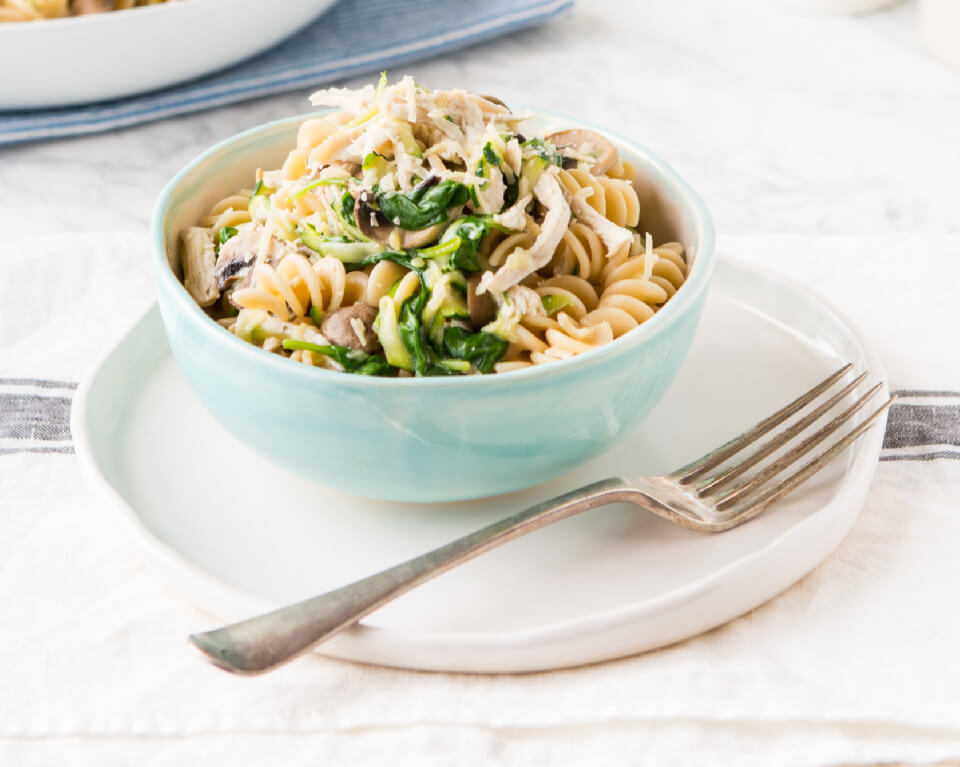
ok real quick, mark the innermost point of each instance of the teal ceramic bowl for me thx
(427, 439)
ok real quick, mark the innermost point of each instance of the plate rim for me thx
(360, 643)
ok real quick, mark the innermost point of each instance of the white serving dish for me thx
(78, 60)
(237, 534)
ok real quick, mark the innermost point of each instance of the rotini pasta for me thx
(581, 252)
(230, 211)
(416, 232)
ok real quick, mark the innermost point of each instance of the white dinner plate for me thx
(239, 535)
(104, 56)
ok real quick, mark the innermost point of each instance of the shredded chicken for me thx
(490, 192)
(199, 265)
(526, 300)
(613, 236)
(514, 217)
(512, 156)
(523, 262)
(463, 120)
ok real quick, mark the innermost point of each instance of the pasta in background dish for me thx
(418, 232)
(36, 10)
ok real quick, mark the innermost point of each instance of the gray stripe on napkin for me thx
(33, 418)
(926, 393)
(938, 455)
(41, 383)
(37, 449)
(916, 425)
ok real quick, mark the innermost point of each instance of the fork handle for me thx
(264, 642)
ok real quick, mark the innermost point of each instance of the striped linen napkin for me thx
(855, 664)
(355, 36)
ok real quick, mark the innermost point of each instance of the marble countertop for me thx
(785, 122)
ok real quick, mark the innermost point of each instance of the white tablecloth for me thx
(856, 664)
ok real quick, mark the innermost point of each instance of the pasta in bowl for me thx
(408, 323)
(417, 232)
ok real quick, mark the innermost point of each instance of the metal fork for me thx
(710, 495)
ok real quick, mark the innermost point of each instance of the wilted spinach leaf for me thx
(484, 350)
(424, 206)
(511, 193)
(470, 230)
(412, 333)
(347, 204)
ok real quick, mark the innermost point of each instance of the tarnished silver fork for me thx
(714, 493)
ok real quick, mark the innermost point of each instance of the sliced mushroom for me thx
(481, 305)
(590, 143)
(489, 106)
(374, 225)
(494, 100)
(234, 269)
(352, 326)
(239, 253)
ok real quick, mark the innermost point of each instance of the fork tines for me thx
(728, 485)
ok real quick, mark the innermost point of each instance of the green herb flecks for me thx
(543, 149)
(225, 234)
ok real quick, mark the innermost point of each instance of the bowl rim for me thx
(685, 298)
